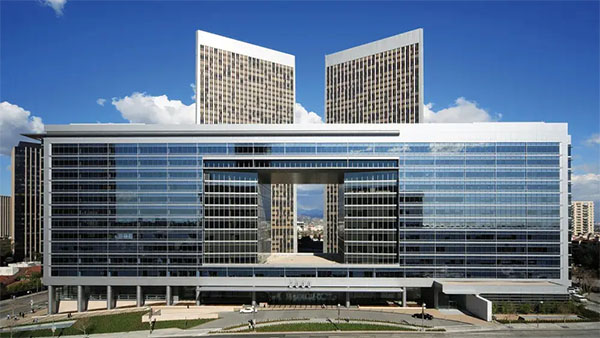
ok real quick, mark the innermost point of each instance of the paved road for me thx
(228, 319)
(23, 304)
(581, 333)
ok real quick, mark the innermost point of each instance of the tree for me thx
(564, 308)
(525, 308)
(509, 308)
(83, 324)
(587, 281)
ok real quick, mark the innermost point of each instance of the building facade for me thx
(5, 216)
(241, 83)
(378, 82)
(583, 218)
(27, 204)
(450, 209)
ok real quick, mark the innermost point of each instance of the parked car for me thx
(248, 309)
(419, 315)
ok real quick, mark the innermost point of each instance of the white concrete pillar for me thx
(168, 296)
(139, 296)
(404, 297)
(52, 300)
(253, 298)
(110, 298)
(198, 297)
(82, 299)
(347, 299)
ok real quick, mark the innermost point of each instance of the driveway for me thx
(228, 319)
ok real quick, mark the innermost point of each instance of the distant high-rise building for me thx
(27, 202)
(5, 216)
(241, 83)
(378, 82)
(583, 218)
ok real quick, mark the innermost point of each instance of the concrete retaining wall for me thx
(478, 306)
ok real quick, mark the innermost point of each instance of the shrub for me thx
(525, 308)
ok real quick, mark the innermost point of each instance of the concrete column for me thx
(139, 296)
(198, 297)
(168, 296)
(435, 296)
(404, 297)
(52, 300)
(253, 298)
(82, 299)
(110, 298)
(347, 299)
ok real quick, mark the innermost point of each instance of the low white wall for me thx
(479, 306)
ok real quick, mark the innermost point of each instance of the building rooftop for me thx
(299, 259)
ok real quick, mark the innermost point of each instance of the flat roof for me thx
(361, 133)
(375, 47)
(235, 46)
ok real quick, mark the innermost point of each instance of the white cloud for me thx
(14, 121)
(57, 5)
(142, 108)
(303, 116)
(593, 140)
(586, 187)
(193, 85)
(307, 189)
(463, 110)
(101, 101)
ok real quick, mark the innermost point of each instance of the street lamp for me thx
(13, 304)
(338, 306)
(423, 317)
(538, 313)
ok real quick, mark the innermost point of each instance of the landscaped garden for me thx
(507, 310)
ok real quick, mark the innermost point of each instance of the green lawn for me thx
(290, 327)
(122, 322)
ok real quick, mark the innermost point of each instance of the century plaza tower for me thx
(241, 83)
(378, 82)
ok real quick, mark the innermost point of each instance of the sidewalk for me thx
(523, 326)
(172, 333)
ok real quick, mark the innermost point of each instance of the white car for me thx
(248, 309)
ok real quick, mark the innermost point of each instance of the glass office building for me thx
(143, 205)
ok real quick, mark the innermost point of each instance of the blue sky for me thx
(512, 61)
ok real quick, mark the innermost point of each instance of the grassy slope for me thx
(122, 322)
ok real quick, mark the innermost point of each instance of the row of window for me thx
(91, 235)
(126, 174)
(153, 222)
(489, 186)
(124, 247)
(479, 223)
(403, 273)
(124, 210)
(126, 198)
(504, 198)
(470, 173)
(293, 148)
(125, 162)
(300, 163)
(92, 186)
(112, 163)
(455, 236)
